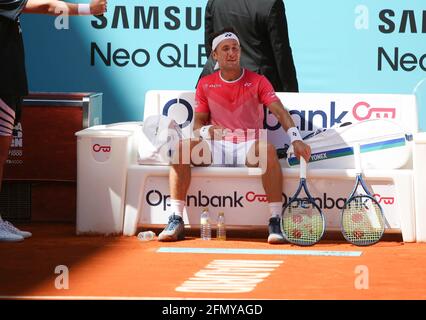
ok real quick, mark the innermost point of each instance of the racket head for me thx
(302, 222)
(362, 220)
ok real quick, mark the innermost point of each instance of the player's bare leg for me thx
(272, 182)
(179, 180)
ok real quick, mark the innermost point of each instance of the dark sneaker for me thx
(174, 231)
(275, 235)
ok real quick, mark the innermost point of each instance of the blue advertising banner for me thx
(351, 46)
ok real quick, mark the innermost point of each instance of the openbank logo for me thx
(252, 197)
(363, 111)
(384, 200)
(330, 115)
(98, 148)
(155, 198)
(327, 116)
(324, 117)
(101, 149)
(179, 107)
(324, 202)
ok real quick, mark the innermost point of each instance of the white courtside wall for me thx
(322, 110)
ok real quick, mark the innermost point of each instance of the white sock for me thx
(275, 209)
(176, 207)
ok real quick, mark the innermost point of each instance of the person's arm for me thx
(201, 119)
(279, 39)
(202, 125)
(282, 115)
(286, 121)
(55, 7)
(202, 111)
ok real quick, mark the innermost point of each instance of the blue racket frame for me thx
(360, 181)
(309, 199)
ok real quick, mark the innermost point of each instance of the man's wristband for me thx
(204, 132)
(83, 9)
(294, 134)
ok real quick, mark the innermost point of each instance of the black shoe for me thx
(174, 231)
(275, 235)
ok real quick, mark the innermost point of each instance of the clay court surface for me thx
(125, 268)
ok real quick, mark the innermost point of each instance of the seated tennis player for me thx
(229, 132)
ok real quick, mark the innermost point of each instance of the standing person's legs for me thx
(8, 109)
(5, 142)
(7, 122)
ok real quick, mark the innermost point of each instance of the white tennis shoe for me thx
(7, 227)
(7, 236)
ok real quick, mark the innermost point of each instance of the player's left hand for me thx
(302, 149)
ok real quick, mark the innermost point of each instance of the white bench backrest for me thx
(310, 111)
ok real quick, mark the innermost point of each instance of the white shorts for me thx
(229, 154)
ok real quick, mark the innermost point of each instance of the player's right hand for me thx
(98, 7)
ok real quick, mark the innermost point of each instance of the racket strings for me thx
(362, 221)
(302, 223)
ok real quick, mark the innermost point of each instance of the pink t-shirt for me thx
(235, 104)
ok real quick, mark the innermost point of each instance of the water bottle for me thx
(221, 227)
(146, 235)
(206, 233)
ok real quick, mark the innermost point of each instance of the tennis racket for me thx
(302, 221)
(363, 222)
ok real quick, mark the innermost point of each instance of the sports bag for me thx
(384, 144)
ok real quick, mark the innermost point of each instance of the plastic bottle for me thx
(221, 227)
(146, 235)
(205, 228)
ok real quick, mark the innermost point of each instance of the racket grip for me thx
(357, 157)
(302, 167)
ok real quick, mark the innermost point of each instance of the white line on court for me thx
(261, 251)
(106, 298)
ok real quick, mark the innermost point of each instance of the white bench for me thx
(117, 195)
